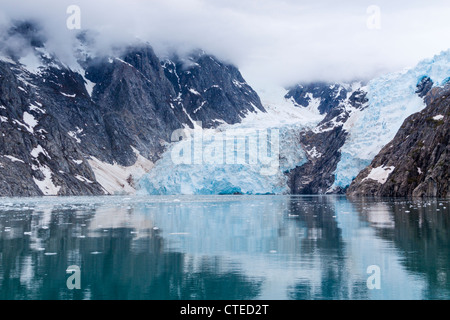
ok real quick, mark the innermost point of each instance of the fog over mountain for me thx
(280, 42)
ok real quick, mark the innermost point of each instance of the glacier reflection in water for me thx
(224, 247)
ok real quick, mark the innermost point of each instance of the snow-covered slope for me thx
(392, 98)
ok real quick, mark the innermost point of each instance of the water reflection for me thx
(325, 247)
(223, 248)
(420, 232)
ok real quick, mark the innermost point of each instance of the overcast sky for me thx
(271, 41)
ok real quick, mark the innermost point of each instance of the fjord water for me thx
(224, 247)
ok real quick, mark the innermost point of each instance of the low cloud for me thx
(271, 41)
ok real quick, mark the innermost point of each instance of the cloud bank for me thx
(271, 41)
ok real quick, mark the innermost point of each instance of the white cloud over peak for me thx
(273, 41)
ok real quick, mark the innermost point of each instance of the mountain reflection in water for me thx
(227, 247)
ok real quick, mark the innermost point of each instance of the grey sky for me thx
(271, 41)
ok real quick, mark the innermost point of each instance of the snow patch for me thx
(34, 108)
(438, 117)
(313, 153)
(117, 179)
(68, 95)
(74, 134)
(8, 60)
(30, 122)
(199, 108)
(31, 63)
(239, 84)
(380, 174)
(13, 159)
(89, 86)
(83, 179)
(279, 111)
(37, 151)
(314, 103)
(47, 186)
(194, 92)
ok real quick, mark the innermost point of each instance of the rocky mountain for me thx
(328, 134)
(210, 91)
(325, 97)
(102, 123)
(93, 126)
(417, 161)
(323, 143)
(37, 155)
(356, 128)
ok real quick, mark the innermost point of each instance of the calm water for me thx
(268, 247)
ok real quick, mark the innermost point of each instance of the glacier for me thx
(392, 98)
(212, 173)
(204, 176)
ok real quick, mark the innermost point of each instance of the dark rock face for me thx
(424, 86)
(53, 120)
(330, 95)
(34, 147)
(209, 90)
(418, 159)
(316, 176)
(323, 144)
(133, 99)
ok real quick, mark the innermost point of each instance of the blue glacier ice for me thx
(392, 99)
(203, 174)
